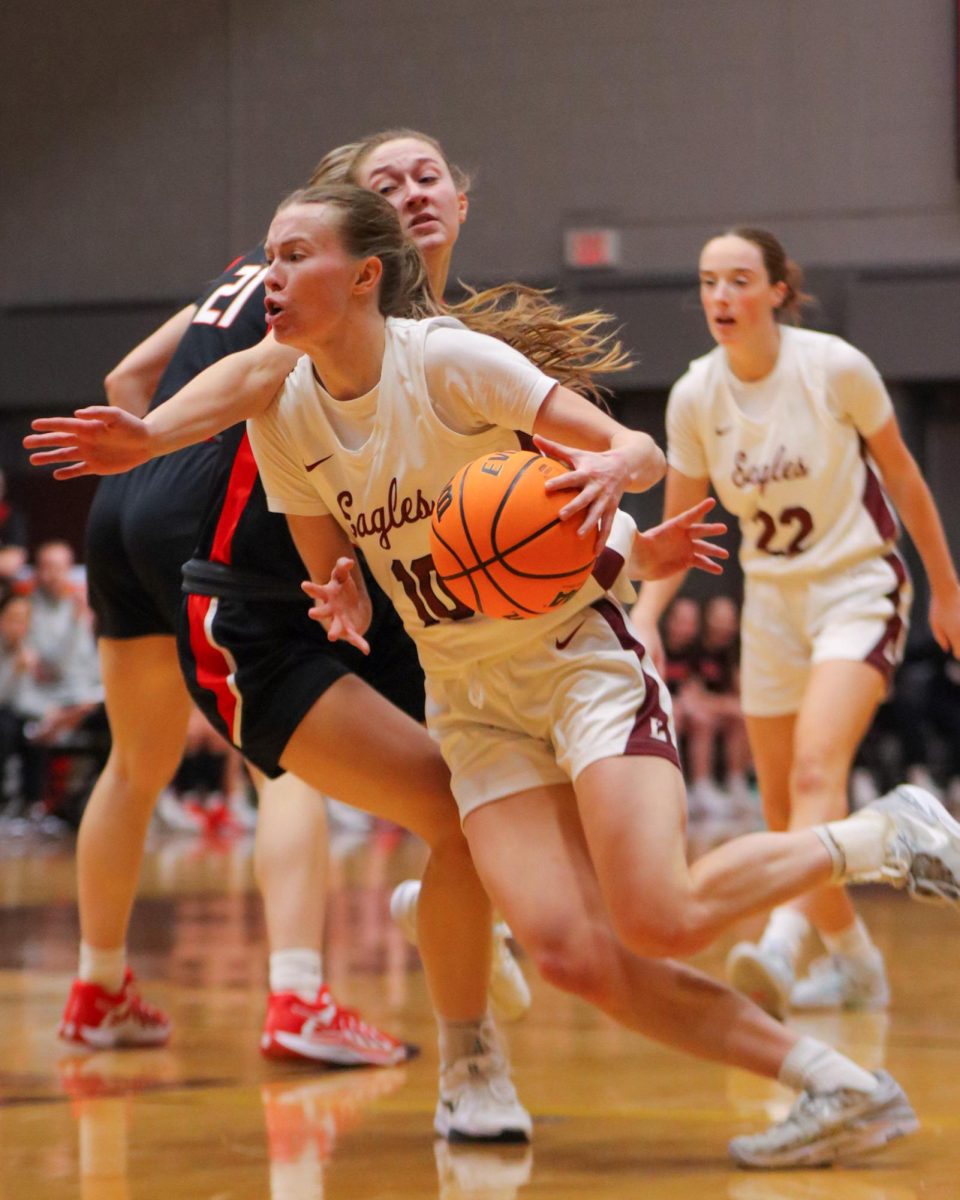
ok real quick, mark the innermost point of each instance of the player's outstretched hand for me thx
(600, 478)
(342, 606)
(678, 545)
(98, 440)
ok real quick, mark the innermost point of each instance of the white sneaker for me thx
(508, 990)
(766, 977)
(830, 1127)
(478, 1102)
(923, 845)
(840, 981)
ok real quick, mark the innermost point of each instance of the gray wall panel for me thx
(141, 144)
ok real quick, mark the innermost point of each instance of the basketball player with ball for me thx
(555, 726)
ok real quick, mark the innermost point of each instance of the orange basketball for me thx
(497, 540)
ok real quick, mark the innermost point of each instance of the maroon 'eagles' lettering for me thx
(780, 469)
(379, 522)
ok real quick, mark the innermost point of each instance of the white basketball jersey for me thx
(382, 494)
(807, 495)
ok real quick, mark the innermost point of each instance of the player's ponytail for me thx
(572, 348)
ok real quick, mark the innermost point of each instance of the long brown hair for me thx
(780, 268)
(572, 348)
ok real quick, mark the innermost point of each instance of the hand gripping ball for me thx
(497, 540)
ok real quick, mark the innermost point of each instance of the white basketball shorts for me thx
(859, 614)
(542, 714)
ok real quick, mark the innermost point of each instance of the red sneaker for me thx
(103, 1020)
(323, 1031)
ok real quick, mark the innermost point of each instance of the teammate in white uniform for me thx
(796, 433)
(517, 705)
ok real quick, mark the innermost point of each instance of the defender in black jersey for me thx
(143, 526)
(350, 740)
(254, 661)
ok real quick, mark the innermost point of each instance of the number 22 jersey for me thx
(787, 455)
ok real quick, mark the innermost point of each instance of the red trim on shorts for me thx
(885, 655)
(652, 733)
(243, 477)
(211, 665)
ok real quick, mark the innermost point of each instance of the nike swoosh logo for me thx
(562, 645)
(312, 466)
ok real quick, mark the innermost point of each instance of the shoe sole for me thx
(852, 1141)
(452, 1134)
(291, 1045)
(99, 1039)
(747, 974)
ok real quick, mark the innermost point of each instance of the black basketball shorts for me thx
(256, 668)
(142, 528)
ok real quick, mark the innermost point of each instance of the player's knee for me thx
(138, 777)
(814, 776)
(676, 930)
(569, 960)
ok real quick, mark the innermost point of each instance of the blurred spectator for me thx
(61, 630)
(702, 674)
(719, 671)
(681, 646)
(13, 536)
(42, 706)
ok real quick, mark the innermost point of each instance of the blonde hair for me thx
(571, 348)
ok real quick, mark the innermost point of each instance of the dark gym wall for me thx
(142, 145)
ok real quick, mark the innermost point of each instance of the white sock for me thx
(856, 844)
(298, 970)
(813, 1066)
(465, 1039)
(852, 942)
(785, 934)
(106, 967)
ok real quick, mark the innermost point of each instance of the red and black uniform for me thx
(144, 525)
(254, 662)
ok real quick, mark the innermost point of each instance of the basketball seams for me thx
(491, 576)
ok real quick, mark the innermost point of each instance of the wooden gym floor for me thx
(208, 1119)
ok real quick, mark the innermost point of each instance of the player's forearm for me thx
(655, 596)
(646, 462)
(133, 381)
(918, 511)
(232, 390)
